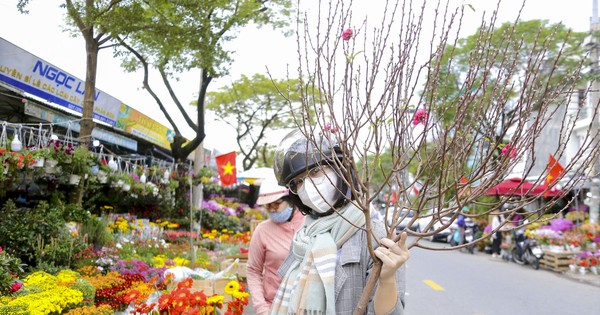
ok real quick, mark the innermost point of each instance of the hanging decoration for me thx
(16, 145)
(112, 164)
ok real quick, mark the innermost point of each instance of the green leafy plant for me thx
(20, 228)
(88, 290)
(95, 232)
(81, 161)
(59, 251)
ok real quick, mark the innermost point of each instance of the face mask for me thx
(283, 216)
(310, 193)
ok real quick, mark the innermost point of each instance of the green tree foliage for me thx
(176, 36)
(491, 70)
(254, 106)
(465, 68)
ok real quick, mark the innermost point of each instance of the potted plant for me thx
(123, 181)
(129, 181)
(39, 156)
(77, 165)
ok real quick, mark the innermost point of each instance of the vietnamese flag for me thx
(226, 168)
(554, 171)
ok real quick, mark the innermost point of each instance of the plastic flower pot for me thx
(50, 166)
(102, 177)
(74, 179)
(94, 169)
(39, 162)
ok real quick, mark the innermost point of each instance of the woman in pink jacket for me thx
(270, 243)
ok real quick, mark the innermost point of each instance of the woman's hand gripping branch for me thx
(392, 255)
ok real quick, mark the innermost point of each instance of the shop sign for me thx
(33, 75)
(136, 123)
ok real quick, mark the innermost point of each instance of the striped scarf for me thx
(308, 286)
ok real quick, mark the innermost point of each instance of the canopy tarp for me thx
(519, 187)
(255, 175)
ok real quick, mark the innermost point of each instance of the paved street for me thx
(456, 283)
(459, 283)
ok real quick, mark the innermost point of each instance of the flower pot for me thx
(573, 268)
(39, 162)
(582, 270)
(102, 177)
(94, 169)
(557, 248)
(50, 166)
(74, 179)
(594, 270)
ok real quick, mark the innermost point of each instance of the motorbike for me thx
(526, 252)
(470, 230)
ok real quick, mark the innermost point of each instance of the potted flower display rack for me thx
(556, 261)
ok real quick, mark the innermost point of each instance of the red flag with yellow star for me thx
(554, 170)
(226, 168)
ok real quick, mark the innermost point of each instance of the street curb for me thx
(589, 278)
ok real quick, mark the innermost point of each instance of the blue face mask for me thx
(283, 216)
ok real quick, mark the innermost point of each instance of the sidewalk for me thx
(588, 278)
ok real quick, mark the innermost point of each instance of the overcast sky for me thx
(41, 33)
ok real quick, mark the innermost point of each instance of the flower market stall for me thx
(569, 245)
(103, 261)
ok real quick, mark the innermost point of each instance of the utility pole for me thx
(594, 201)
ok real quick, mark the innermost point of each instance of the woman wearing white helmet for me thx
(270, 243)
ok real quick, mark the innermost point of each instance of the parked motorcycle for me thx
(526, 252)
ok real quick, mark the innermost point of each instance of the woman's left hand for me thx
(393, 255)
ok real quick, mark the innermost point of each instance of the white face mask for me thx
(310, 193)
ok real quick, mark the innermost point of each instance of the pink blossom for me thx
(420, 117)
(16, 286)
(510, 151)
(329, 128)
(0, 249)
(347, 34)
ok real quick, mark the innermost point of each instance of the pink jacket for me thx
(269, 246)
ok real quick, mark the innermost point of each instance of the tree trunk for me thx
(87, 123)
(198, 164)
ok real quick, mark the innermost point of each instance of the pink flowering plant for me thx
(420, 117)
(545, 235)
(10, 269)
(510, 151)
(60, 151)
(220, 212)
(347, 34)
(138, 267)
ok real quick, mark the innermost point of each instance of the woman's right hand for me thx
(393, 255)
